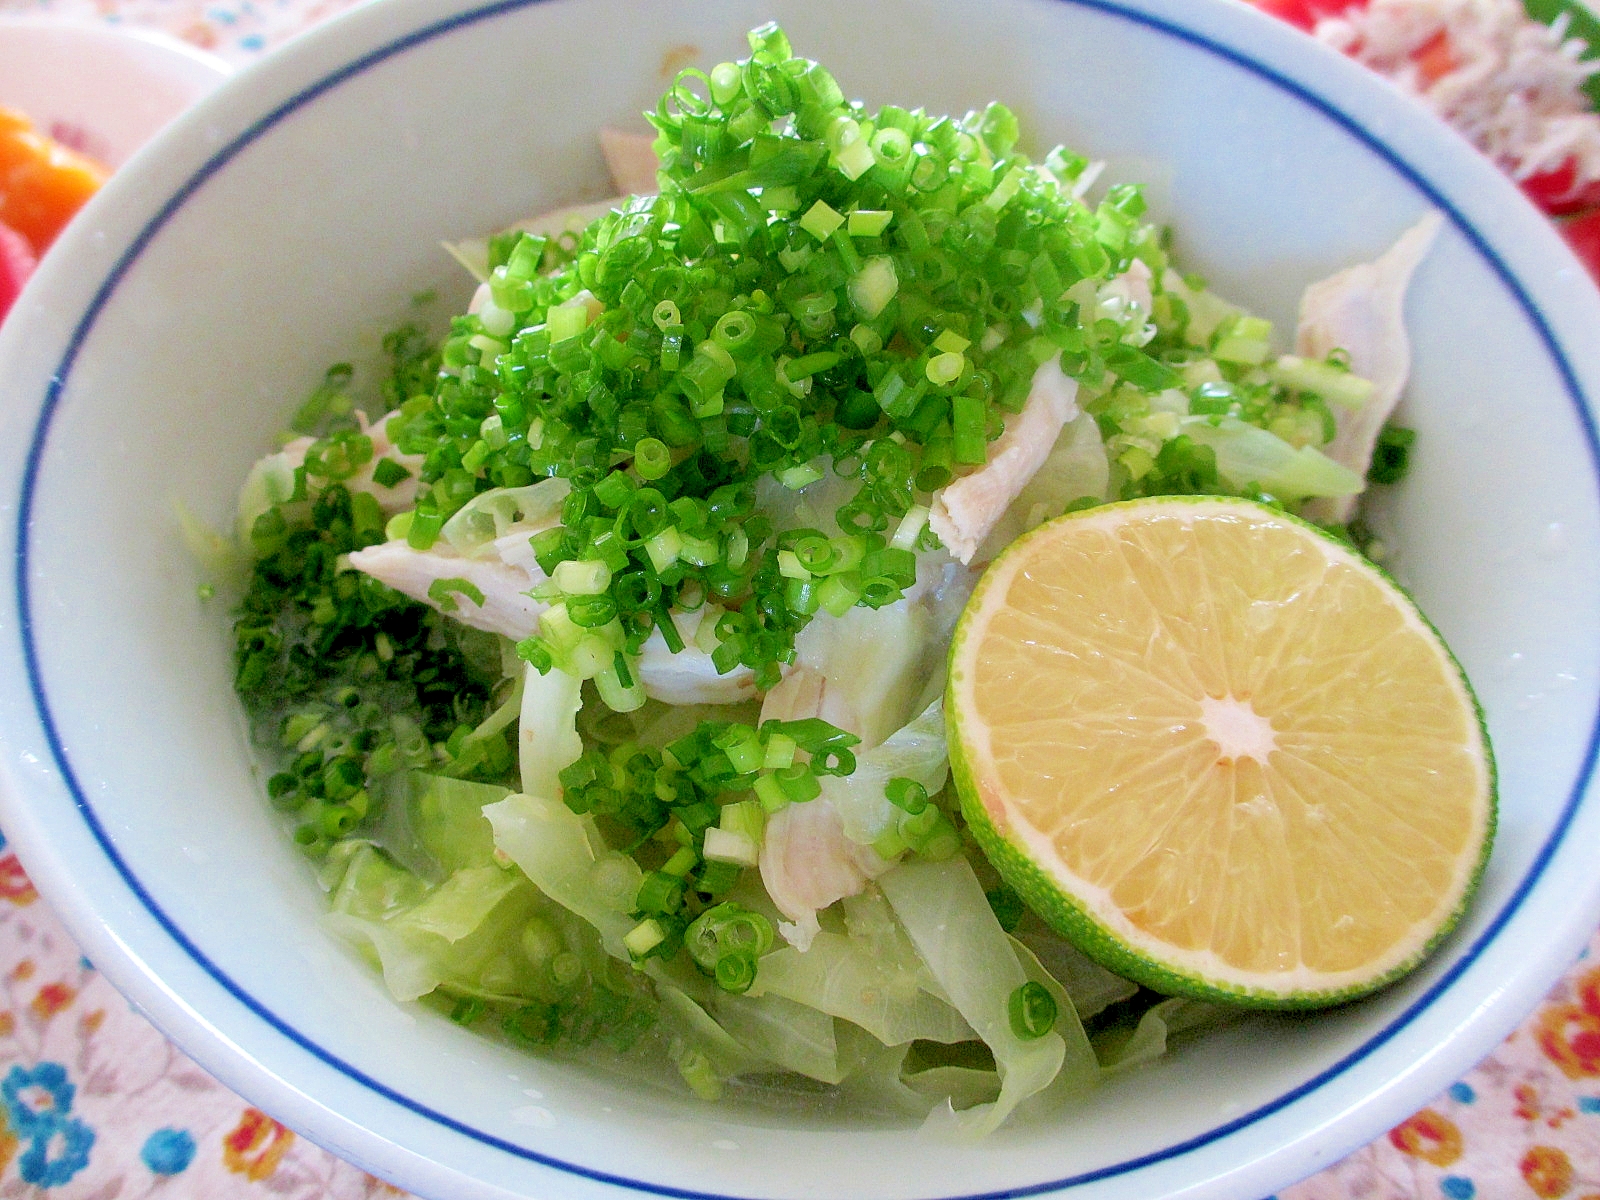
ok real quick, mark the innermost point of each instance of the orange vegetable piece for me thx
(1435, 58)
(42, 183)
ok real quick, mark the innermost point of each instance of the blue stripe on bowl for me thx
(488, 12)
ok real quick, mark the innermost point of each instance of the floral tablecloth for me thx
(96, 1105)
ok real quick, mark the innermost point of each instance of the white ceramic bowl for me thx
(284, 225)
(102, 89)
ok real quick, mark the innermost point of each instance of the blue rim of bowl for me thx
(427, 33)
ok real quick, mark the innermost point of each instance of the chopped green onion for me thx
(746, 818)
(651, 458)
(443, 592)
(716, 879)
(780, 751)
(1032, 1011)
(804, 475)
(770, 793)
(387, 473)
(697, 1073)
(945, 369)
(659, 892)
(566, 321)
(969, 434)
(726, 931)
(742, 745)
(1007, 906)
(644, 937)
(1247, 342)
(683, 860)
(1391, 456)
(868, 222)
(838, 594)
(735, 332)
(582, 577)
(798, 783)
(468, 1010)
(820, 221)
(735, 972)
(726, 845)
(910, 529)
(874, 285)
(906, 794)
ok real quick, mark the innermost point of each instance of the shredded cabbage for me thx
(839, 974)
(459, 935)
(1247, 454)
(787, 1034)
(725, 1055)
(567, 859)
(943, 909)
(1093, 988)
(1122, 1049)
(269, 484)
(547, 737)
(874, 1079)
(876, 662)
(915, 751)
(492, 514)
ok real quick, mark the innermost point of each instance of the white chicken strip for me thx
(689, 676)
(391, 500)
(964, 510)
(1361, 311)
(505, 571)
(507, 608)
(864, 672)
(807, 863)
(630, 160)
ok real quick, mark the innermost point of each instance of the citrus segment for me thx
(1219, 750)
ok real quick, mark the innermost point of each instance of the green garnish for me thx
(1032, 1011)
(817, 288)
(1391, 456)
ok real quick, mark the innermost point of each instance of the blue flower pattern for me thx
(168, 1151)
(38, 1107)
(52, 1159)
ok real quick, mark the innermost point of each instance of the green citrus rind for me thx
(1073, 918)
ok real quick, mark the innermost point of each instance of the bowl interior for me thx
(291, 221)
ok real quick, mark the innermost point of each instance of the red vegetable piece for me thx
(1558, 192)
(16, 264)
(1298, 13)
(1304, 14)
(1583, 235)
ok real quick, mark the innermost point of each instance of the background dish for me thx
(1324, 170)
(102, 90)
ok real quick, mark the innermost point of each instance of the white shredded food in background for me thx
(1512, 86)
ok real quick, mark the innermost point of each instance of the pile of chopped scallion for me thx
(815, 289)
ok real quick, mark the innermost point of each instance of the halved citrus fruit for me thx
(1220, 751)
